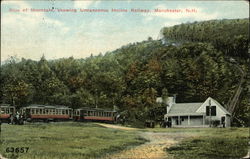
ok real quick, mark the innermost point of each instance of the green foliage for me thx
(132, 76)
(228, 36)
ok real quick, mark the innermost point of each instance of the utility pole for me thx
(0, 127)
(96, 98)
(210, 117)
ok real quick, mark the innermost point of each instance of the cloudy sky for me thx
(63, 34)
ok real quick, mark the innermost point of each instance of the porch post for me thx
(188, 119)
(203, 121)
(179, 120)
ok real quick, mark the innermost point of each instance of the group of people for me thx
(16, 119)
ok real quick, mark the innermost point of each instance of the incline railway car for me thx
(46, 113)
(94, 114)
(6, 111)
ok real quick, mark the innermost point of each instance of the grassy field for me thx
(89, 140)
(65, 140)
(211, 143)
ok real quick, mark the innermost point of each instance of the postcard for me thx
(121, 79)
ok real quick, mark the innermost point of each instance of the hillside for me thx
(131, 77)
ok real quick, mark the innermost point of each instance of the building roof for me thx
(218, 104)
(184, 109)
(96, 109)
(47, 106)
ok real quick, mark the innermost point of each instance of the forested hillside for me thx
(131, 77)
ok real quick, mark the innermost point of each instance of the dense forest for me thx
(192, 61)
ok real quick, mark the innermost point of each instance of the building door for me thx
(223, 119)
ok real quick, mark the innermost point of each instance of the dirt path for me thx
(1, 157)
(116, 127)
(154, 149)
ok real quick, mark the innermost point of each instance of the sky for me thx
(30, 35)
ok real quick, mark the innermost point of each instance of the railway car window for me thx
(3, 109)
(41, 111)
(67, 111)
(57, 112)
(11, 110)
(7, 111)
(63, 111)
(46, 111)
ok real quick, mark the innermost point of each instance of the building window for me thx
(213, 111)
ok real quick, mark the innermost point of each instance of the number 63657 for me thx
(17, 149)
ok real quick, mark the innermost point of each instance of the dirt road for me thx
(1, 157)
(154, 149)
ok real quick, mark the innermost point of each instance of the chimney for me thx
(174, 99)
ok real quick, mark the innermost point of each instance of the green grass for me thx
(215, 143)
(65, 140)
